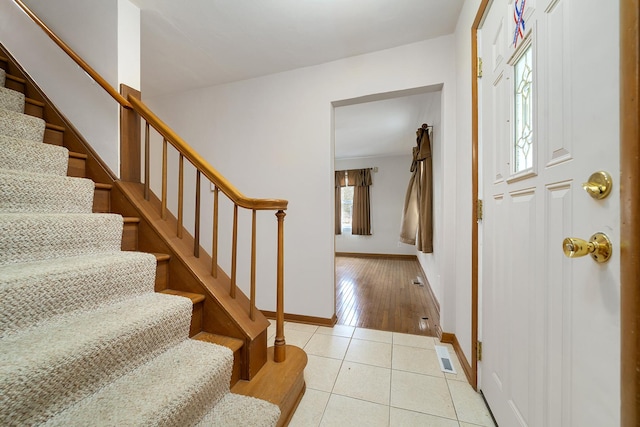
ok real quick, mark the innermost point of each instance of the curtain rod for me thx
(426, 126)
(374, 169)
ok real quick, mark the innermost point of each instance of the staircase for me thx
(94, 332)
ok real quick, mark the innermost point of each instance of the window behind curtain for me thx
(346, 194)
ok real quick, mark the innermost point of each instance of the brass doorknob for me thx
(599, 246)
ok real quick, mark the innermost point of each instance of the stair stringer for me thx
(222, 314)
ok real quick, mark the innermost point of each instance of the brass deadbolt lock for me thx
(599, 185)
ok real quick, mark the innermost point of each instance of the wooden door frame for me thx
(629, 211)
(474, 192)
(629, 207)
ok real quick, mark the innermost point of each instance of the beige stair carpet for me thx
(70, 285)
(3, 77)
(45, 369)
(174, 389)
(21, 126)
(11, 100)
(32, 237)
(41, 193)
(84, 339)
(32, 156)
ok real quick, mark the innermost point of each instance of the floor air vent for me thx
(445, 360)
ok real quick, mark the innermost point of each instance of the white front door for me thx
(549, 118)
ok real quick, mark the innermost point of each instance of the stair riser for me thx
(77, 167)
(162, 275)
(31, 193)
(196, 319)
(102, 200)
(130, 236)
(32, 156)
(18, 125)
(14, 83)
(26, 238)
(33, 109)
(237, 367)
(12, 100)
(54, 137)
(31, 294)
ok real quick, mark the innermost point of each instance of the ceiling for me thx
(385, 127)
(200, 43)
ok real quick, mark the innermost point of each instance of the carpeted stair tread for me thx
(21, 126)
(43, 193)
(3, 77)
(32, 156)
(12, 100)
(31, 293)
(27, 237)
(175, 389)
(43, 370)
(238, 410)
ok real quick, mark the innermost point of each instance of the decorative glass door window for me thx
(523, 114)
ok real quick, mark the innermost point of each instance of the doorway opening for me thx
(379, 281)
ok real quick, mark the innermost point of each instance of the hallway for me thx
(378, 293)
(362, 377)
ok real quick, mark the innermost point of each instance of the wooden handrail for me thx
(202, 165)
(76, 58)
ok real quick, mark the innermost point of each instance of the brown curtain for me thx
(417, 217)
(340, 182)
(361, 220)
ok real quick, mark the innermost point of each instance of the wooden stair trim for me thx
(279, 383)
(34, 102)
(195, 298)
(234, 344)
(75, 155)
(53, 127)
(101, 186)
(165, 229)
(162, 257)
(16, 79)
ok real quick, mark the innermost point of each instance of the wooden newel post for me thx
(279, 350)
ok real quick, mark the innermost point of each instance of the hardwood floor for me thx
(378, 293)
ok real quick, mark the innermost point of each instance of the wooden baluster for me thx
(180, 194)
(163, 209)
(146, 161)
(252, 306)
(234, 252)
(214, 248)
(196, 234)
(279, 350)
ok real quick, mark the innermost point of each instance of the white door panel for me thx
(550, 324)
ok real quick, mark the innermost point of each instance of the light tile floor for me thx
(361, 377)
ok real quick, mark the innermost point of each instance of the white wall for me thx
(128, 44)
(272, 137)
(387, 195)
(460, 283)
(90, 29)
